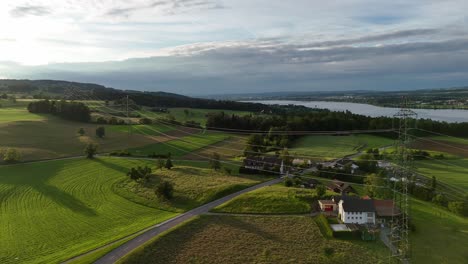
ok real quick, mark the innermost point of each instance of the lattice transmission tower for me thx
(403, 181)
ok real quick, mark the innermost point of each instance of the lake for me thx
(447, 115)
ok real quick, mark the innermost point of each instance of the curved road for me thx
(126, 248)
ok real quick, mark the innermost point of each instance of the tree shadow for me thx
(41, 185)
(111, 165)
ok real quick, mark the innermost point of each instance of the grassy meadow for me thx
(54, 210)
(53, 137)
(453, 172)
(51, 211)
(440, 237)
(329, 147)
(180, 147)
(193, 187)
(276, 199)
(17, 114)
(190, 114)
(253, 239)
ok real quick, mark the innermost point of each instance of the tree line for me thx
(325, 120)
(67, 110)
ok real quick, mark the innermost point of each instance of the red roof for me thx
(385, 208)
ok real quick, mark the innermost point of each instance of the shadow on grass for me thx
(39, 182)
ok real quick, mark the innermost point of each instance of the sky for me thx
(200, 47)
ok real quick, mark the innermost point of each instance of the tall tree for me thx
(90, 150)
(168, 164)
(215, 162)
(100, 132)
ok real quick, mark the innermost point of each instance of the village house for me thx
(262, 163)
(353, 210)
(356, 211)
(340, 187)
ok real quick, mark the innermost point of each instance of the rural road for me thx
(126, 248)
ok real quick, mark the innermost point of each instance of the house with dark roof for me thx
(262, 162)
(340, 187)
(356, 211)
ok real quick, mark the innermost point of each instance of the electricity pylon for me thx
(404, 176)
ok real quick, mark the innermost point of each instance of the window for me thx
(370, 214)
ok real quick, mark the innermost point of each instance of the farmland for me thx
(73, 206)
(276, 199)
(53, 138)
(180, 147)
(328, 147)
(17, 114)
(54, 210)
(190, 114)
(193, 187)
(453, 172)
(440, 237)
(253, 239)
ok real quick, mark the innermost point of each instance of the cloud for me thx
(168, 7)
(30, 10)
(229, 67)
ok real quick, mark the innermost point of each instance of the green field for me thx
(54, 210)
(456, 140)
(193, 114)
(266, 239)
(327, 147)
(182, 146)
(54, 137)
(440, 237)
(151, 130)
(276, 199)
(453, 172)
(17, 114)
(193, 187)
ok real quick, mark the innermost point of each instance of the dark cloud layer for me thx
(262, 66)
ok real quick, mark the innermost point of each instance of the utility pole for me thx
(128, 126)
(403, 174)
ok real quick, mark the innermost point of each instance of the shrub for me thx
(100, 132)
(11, 155)
(121, 153)
(101, 120)
(458, 207)
(165, 190)
(81, 131)
(145, 121)
(168, 164)
(90, 150)
(288, 183)
(328, 251)
(227, 170)
(323, 225)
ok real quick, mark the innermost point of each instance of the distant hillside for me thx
(54, 89)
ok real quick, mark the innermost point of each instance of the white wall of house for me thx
(355, 217)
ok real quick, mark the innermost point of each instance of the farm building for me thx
(263, 162)
(327, 205)
(385, 210)
(356, 211)
(340, 187)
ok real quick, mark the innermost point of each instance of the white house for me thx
(356, 211)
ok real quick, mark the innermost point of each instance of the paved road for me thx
(124, 249)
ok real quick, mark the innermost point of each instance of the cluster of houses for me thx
(356, 210)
